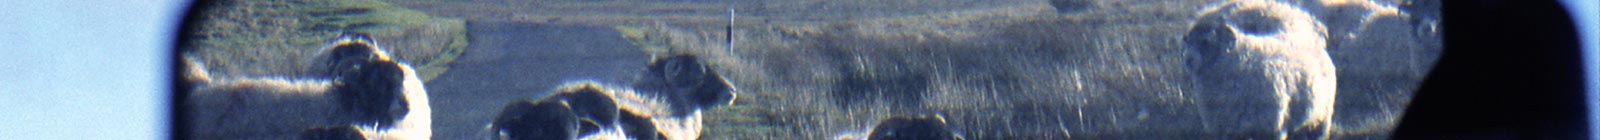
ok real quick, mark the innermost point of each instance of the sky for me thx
(1586, 14)
(95, 69)
(85, 69)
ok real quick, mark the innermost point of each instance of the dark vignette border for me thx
(178, 126)
(1510, 70)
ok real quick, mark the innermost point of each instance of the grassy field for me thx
(280, 37)
(816, 69)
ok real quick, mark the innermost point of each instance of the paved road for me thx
(509, 61)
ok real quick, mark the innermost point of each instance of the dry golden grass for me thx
(246, 37)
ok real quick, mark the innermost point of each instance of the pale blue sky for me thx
(1586, 14)
(85, 69)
